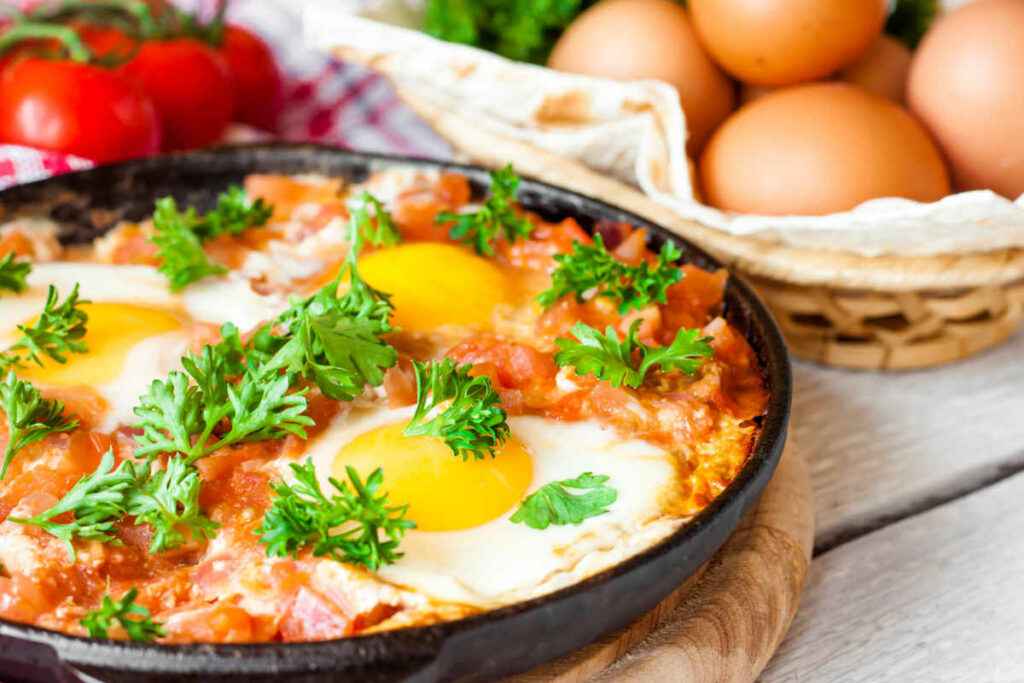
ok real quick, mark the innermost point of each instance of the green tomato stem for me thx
(30, 30)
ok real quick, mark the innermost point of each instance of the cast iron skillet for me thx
(484, 647)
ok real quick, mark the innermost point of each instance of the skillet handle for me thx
(22, 661)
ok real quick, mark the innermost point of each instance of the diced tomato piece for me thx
(286, 193)
(520, 373)
(219, 623)
(693, 300)
(311, 616)
(133, 247)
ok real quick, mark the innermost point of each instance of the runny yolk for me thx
(434, 284)
(444, 493)
(110, 333)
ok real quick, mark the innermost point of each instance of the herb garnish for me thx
(593, 269)
(628, 362)
(96, 501)
(346, 527)
(555, 503)
(472, 424)
(58, 332)
(378, 229)
(495, 218)
(133, 618)
(30, 417)
(179, 235)
(14, 274)
(168, 500)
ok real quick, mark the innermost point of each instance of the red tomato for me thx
(76, 108)
(190, 85)
(259, 89)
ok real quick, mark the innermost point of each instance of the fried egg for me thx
(433, 284)
(465, 548)
(137, 330)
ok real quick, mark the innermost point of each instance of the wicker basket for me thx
(884, 313)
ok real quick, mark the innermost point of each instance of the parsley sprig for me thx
(179, 235)
(461, 410)
(378, 229)
(497, 217)
(30, 417)
(355, 525)
(555, 502)
(179, 417)
(627, 362)
(165, 499)
(591, 268)
(57, 333)
(334, 341)
(134, 619)
(14, 274)
(96, 503)
(168, 501)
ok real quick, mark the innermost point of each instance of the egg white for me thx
(500, 562)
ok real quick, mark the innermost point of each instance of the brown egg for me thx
(819, 149)
(781, 42)
(967, 85)
(635, 39)
(882, 70)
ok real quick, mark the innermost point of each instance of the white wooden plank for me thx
(936, 597)
(882, 445)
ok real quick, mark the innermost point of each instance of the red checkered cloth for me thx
(327, 101)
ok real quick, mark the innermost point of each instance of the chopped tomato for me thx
(546, 240)
(286, 194)
(693, 300)
(311, 616)
(219, 623)
(522, 375)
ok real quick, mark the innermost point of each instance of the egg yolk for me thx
(434, 284)
(111, 331)
(443, 492)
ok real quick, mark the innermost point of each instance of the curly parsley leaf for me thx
(96, 502)
(556, 503)
(179, 235)
(378, 229)
(461, 410)
(592, 269)
(524, 30)
(497, 217)
(58, 331)
(176, 416)
(355, 525)
(616, 362)
(910, 20)
(168, 501)
(182, 259)
(30, 417)
(133, 618)
(14, 274)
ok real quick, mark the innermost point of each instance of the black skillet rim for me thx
(426, 652)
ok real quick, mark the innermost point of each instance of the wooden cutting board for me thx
(726, 622)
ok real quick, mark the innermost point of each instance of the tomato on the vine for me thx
(257, 82)
(190, 85)
(77, 108)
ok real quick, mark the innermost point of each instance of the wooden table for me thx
(918, 572)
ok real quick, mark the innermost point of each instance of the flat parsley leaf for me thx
(378, 229)
(133, 618)
(556, 503)
(355, 525)
(14, 274)
(472, 422)
(593, 270)
(30, 417)
(497, 217)
(614, 361)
